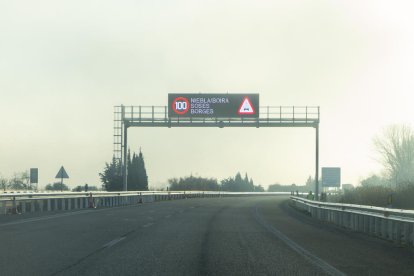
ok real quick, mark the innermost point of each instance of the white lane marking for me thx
(47, 217)
(297, 248)
(113, 242)
(150, 218)
(129, 219)
(148, 224)
(167, 216)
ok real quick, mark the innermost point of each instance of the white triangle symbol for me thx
(246, 107)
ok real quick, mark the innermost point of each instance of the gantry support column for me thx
(317, 163)
(124, 154)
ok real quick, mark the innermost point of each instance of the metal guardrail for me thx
(392, 224)
(14, 203)
(54, 194)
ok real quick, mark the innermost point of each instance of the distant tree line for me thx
(85, 188)
(239, 184)
(57, 186)
(309, 186)
(231, 184)
(192, 183)
(137, 177)
(19, 181)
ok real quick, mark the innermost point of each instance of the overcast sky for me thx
(65, 64)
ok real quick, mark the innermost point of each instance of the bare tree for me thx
(20, 181)
(396, 151)
(3, 183)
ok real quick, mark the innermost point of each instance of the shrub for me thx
(371, 195)
(402, 197)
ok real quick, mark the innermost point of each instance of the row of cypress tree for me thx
(137, 176)
(239, 184)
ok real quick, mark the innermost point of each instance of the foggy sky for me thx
(65, 64)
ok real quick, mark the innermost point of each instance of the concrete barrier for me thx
(23, 203)
(15, 203)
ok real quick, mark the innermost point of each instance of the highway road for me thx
(260, 235)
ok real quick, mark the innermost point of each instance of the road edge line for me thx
(313, 259)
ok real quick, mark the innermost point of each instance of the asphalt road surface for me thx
(259, 235)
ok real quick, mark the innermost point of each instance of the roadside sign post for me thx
(331, 177)
(61, 174)
(34, 176)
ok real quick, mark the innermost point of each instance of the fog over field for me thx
(65, 64)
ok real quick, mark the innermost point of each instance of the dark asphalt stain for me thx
(203, 259)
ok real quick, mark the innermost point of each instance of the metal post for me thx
(317, 164)
(306, 114)
(280, 114)
(165, 114)
(267, 114)
(124, 161)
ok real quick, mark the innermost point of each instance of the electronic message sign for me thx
(213, 105)
(331, 177)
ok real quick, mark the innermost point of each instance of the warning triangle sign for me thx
(62, 173)
(246, 108)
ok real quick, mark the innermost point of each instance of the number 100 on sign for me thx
(181, 105)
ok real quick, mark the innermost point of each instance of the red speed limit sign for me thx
(180, 105)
